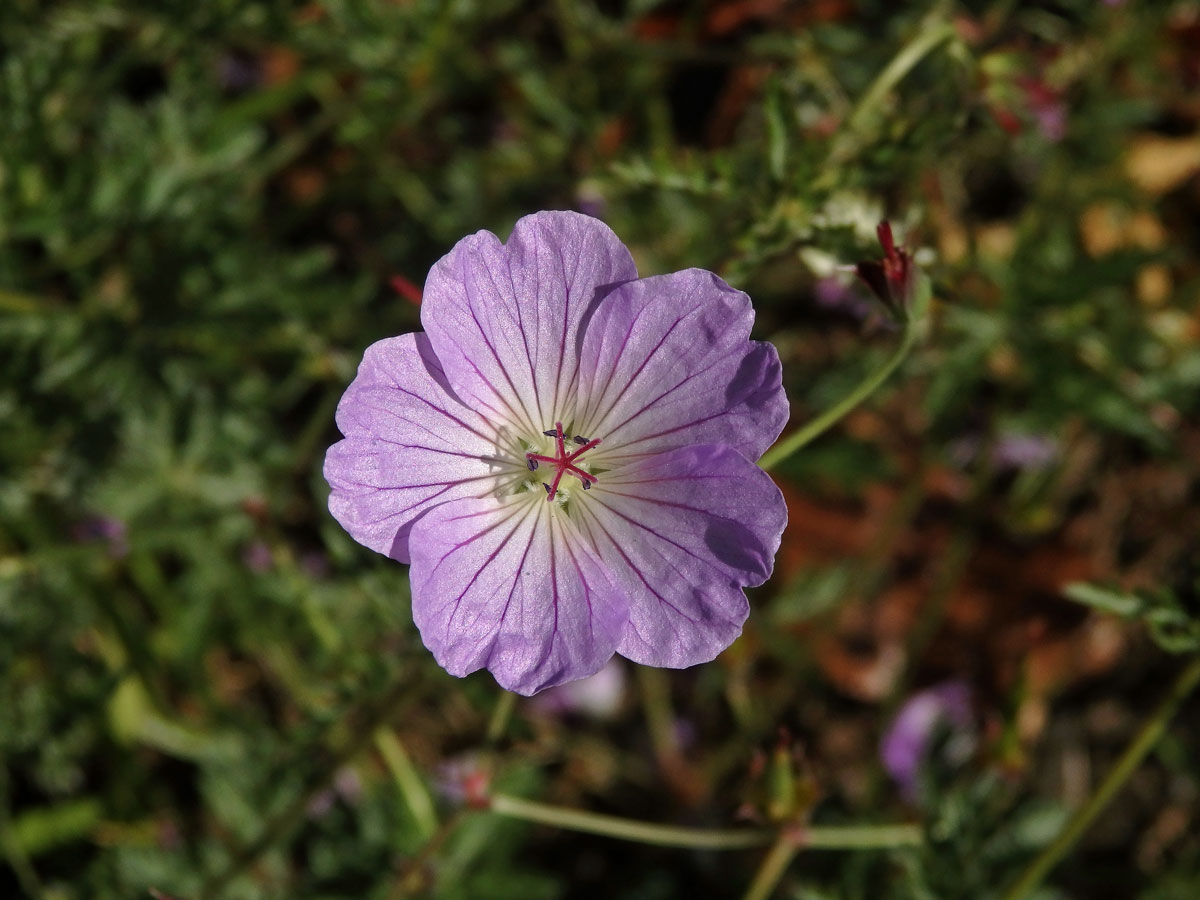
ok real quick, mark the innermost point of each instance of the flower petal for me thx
(683, 532)
(504, 317)
(409, 445)
(510, 586)
(667, 362)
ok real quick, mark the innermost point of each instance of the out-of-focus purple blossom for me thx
(906, 744)
(837, 295)
(256, 556)
(566, 457)
(685, 733)
(465, 781)
(1051, 121)
(1024, 451)
(238, 72)
(346, 786)
(598, 696)
(591, 202)
(104, 529)
(1018, 451)
(314, 564)
(1047, 108)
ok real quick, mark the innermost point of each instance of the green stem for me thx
(861, 837)
(822, 423)
(501, 715)
(925, 41)
(822, 838)
(660, 720)
(629, 829)
(774, 864)
(1148, 735)
(412, 879)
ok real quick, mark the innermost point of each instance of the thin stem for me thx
(660, 720)
(834, 837)
(862, 837)
(774, 864)
(1148, 735)
(826, 420)
(501, 716)
(411, 879)
(925, 41)
(629, 829)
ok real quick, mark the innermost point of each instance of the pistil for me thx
(562, 461)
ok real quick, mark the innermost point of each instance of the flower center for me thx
(562, 461)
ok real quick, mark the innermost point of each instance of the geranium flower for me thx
(565, 457)
(910, 738)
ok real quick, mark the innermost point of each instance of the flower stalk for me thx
(914, 324)
(774, 864)
(1144, 741)
(926, 40)
(501, 716)
(832, 837)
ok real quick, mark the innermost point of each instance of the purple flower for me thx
(906, 744)
(599, 696)
(834, 294)
(1024, 451)
(565, 457)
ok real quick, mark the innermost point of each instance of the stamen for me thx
(584, 449)
(562, 461)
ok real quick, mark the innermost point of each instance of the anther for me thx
(532, 463)
(551, 433)
(587, 485)
(579, 440)
(549, 490)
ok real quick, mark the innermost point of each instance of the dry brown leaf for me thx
(1159, 164)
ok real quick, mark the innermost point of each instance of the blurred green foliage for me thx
(202, 206)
